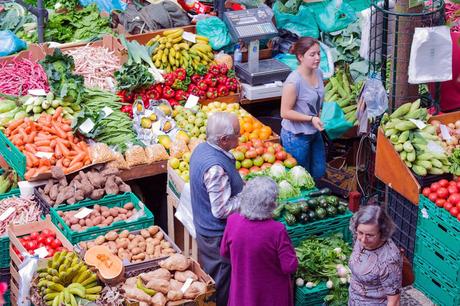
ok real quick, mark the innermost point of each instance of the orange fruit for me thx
(266, 129)
(254, 135)
(247, 119)
(263, 135)
(247, 127)
(257, 125)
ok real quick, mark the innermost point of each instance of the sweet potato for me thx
(64, 194)
(176, 262)
(175, 295)
(175, 284)
(109, 171)
(110, 186)
(158, 299)
(159, 285)
(54, 190)
(195, 289)
(96, 179)
(136, 294)
(124, 187)
(57, 173)
(46, 189)
(183, 276)
(156, 274)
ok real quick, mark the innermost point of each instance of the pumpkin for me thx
(109, 267)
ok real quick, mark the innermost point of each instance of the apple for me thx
(174, 162)
(247, 163)
(269, 157)
(258, 161)
(277, 147)
(278, 162)
(271, 150)
(265, 166)
(257, 143)
(254, 169)
(186, 156)
(239, 156)
(290, 162)
(242, 148)
(260, 150)
(242, 138)
(281, 155)
(243, 171)
(183, 166)
(237, 165)
(251, 154)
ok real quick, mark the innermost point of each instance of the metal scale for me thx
(250, 26)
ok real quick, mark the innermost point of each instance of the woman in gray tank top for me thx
(301, 102)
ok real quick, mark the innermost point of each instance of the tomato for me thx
(26, 238)
(454, 198)
(426, 191)
(452, 183)
(31, 245)
(440, 202)
(34, 235)
(458, 206)
(41, 238)
(59, 249)
(443, 183)
(452, 189)
(448, 206)
(433, 197)
(48, 233)
(56, 243)
(41, 244)
(454, 211)
(434, 187)
(442, 193)
(49, 240)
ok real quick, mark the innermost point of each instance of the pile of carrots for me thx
(49, 134)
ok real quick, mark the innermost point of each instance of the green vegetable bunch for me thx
(56, 4)
(454, 160)
(132, 76)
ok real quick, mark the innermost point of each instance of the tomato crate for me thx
(440, 257)
(440, 224)
(434, 285)
(112, 201)
(311, 296)
(15, 159)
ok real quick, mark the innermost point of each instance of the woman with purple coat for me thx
(260, 252)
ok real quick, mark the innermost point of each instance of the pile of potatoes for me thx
(146, 245)
(100, 216)
(164, 285)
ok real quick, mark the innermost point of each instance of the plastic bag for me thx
(303, 23)
(358, 5)
(156, 152)
(119, 162)
(26, 272)
(334, 121)
(135, 156)
(10, 43)
(375, 97)
(431, 55)
(101, 153)
(215, 30)
(106, 5)
(332, 15)
(178, 148)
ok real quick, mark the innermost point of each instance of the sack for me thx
(431, 55)
(358, 5)
(408, 276)
(334, 121)
(10, 43)
(215, 30)
(332, 15)
(106, 5)
(302, 23)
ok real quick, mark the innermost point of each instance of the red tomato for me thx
(458, 184)
(448, 206)
(31, 245)
(59, 249)
(50, 251)
(434, 187)
(433, 197)
(454, 211)
(41, 244)
(48, 233)
(34, 235)
(455, 179)
(49, 240)
(452, 189)
(442, 193)
(443, 183)
(452, 183)
(458, 206)
(426, 191)
(454, 198)
(41, 238)
(26, 238)
(56, 243)
(440, 202)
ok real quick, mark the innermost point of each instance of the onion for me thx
(299, 282)
(310, 285)
(329, 284)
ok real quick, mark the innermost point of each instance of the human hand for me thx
(317, 123)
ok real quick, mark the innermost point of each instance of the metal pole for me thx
(42, 15)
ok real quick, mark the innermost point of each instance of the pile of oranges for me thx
(251, 128)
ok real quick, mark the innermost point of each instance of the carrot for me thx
(66, 128)
(43, 143)
(78, 158)
(43, 169)
(30, 173)
(44, 163)
(87, 162)
(58, 131)
(13, 125)
(58, 150)
(57, 113)
(32, 136)
(30, 147)
(73, 168)
(33, 159)
(66, 162)
(59, 163)
(53, 143)
(63, 148)
(45, 149)
(28, 160)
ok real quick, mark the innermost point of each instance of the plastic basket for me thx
(12, 155)
(110, 201)
(441, 226)
(441, 258)
(434, 285)
(311, 296)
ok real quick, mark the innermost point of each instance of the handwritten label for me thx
(191, 101)
(36, 92)
(86, 126)
(7, 213)
(83, 213)
(106, 111)
(46, 155)
(186, 285)
(41, 252)
(420, 124)
(445, 132)
(433, 147)
(189, 36)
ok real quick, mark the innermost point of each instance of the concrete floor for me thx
(413, 297)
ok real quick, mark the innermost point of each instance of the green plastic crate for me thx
(311, 296)
(12, 155)
(441, 258)
(434, 285)
(5, 241)
(440, 224)
(6, 298)
(93, 232)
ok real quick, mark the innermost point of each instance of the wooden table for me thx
(142, 171)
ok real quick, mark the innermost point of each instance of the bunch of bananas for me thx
(174, 52)
(65, 277)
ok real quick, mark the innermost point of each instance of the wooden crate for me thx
(34, 53)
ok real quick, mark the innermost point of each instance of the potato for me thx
(164, 244)
(125, 255)
(122, 243)
(183, 276)
(131, 236)
(114, 212)
(132, 245)
(128, 206)
(129, 214)
(153, 230)
(105, 213)
(176, 262)
(145, 233)
(175, 295)
(89, 223)
(116, 219)
(150, 249)
(160, 285)
(136, 251)
(122, 210)
(97, 220)
(149, 240)
(108, 220)
(83, 245)
(140, 256)
(159, 235)
(99, 240)
(91, 244)
(76, 227)
(175, 284)
(82, 222)
(142, 245)
(124, 234)
(104, 208)
(122, 216)
(156, 241)
(111, 236)
(195, 289)
(168, 251)
(73, 220)
(97, 207)
(157, 251)
(156, 274)
(112, 244)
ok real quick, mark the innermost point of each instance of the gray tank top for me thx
(309, 102)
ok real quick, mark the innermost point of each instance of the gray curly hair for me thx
(373, 214)
(258, 198)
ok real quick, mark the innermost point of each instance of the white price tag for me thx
(36, 92)
(106, 111)
(445, 132)
(86, 126)
(46, 155)
(83, 213)
(189, 36)
(7, 213)
(41, 252)
(420, 124)
(191, 101)
(433, 147)
(186, 285)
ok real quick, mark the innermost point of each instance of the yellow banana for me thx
(94, 290)
(173, 32)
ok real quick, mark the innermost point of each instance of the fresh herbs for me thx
(454, 160)
(133, 76)
(56, 4)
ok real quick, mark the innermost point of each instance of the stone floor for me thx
(412, 297)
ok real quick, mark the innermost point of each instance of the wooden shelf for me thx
(142, 171)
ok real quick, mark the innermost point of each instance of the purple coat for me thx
(262, 259)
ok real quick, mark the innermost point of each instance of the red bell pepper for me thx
(211, 93)
(181, 73)
(222, 90)
(202, 85)
(168, 92)
(232, 84)
(170, 78)
(196, 78)
(214, 69)
(173, 102)
(159, 88)
(210, 80)
(221, 79)
(194, 90)
(202, 94)
(181, 95)
(223, 69)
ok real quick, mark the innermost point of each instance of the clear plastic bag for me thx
(135, 156)
(194, 143)
(156, 152)
(10, 43)
(178, 148)
(26, 272)
(119, 162)
(101, 153)
(375, 97)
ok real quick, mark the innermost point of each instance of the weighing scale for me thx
(250, 26)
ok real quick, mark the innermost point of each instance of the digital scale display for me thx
(250, 24)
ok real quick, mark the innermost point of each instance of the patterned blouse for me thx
(374, 274)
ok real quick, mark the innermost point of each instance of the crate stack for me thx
(436, 265)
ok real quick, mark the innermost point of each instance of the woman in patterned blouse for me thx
(376, 262)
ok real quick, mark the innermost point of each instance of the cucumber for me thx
(324, 191)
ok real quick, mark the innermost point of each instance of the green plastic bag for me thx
(332, 15)
(215, 30)
(334, 121)
(303, 23)
(358, 5)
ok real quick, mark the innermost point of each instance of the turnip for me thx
(342, 272)
(338, 250)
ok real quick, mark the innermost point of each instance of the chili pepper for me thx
(222, 79)
(232, 84)
(194, 90)
(210, 80)
(196, 78)
(202, 85)
(211, 93)
(214, 69)
(168, 92)
(223, 69)
(189, 70)
(181, 95)
(222, 90)
(180, 73)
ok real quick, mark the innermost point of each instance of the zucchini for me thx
(278, 211)
(321, 192)
(401, 111)
(419, 170)
(407, 146)
(289, 218)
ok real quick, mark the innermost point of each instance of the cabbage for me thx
(299, 177)
(286, 190)
(277, 172)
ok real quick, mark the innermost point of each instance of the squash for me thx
(109, 267)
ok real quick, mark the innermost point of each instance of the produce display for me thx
(175, 52)
(318, 206)
(100, 216)
(164, 285)
(93, 184)
(449, 136)
(146, 244)
(18, 211)
(48, 142)
(420, 148)
(8, 181)
(37, 240)
(325, 259)
(9, 110)
(445, 194)
(15, 18)
(19, 75)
